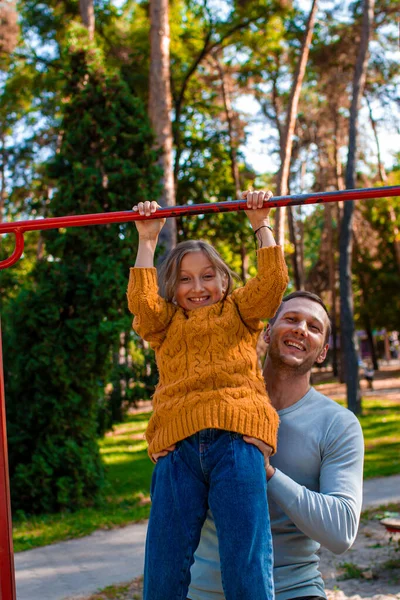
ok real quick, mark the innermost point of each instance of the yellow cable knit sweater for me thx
(208, 370)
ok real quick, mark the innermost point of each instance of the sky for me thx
(261, 160)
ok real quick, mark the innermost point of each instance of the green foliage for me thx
(126, 492)
(375, 268)
(313, 228)
(63, 326)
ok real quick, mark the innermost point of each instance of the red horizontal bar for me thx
(19, 227)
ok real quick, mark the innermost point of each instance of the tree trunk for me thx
(371, 344)
(287, 142)
(244, 264)
(115, 400)
(392, 217)
(364, 286)
(9, 28)
(87, 15)
(383, 178)
(298, 271)
(348, 340)
(346, 293)
(229, 115)
(3, 166)
(381, 168)
(338, 163)
(233, 145)
(332, 285)
(160, 106)
(335, 362)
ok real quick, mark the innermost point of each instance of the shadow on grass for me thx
(131, 476)
(380, 422)
(382, 459)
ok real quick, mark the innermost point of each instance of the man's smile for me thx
(294, 344)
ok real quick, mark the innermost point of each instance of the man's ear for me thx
(323, 353)
(267, 334)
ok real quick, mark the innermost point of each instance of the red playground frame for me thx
(18, 228)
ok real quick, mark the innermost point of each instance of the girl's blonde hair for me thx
(170, 268)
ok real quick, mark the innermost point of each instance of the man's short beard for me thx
(301, 369)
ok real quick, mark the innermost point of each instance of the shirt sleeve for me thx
(152, 313)
(330, 516)
(262, 295)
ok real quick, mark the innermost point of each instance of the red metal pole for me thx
(19, 227)
(7, 577)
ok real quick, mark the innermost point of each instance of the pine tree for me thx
(64, 324)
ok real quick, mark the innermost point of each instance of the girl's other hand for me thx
(162, 453)
(148, 229)
(257, 214)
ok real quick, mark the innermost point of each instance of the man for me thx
(315, 478)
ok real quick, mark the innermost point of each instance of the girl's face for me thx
(199, 283)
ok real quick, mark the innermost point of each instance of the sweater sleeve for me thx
(330, 516)
(152, 313)
(261, 296)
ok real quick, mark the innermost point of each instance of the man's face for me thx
(297, 338)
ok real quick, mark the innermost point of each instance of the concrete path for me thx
(80, 567)
(381, 490)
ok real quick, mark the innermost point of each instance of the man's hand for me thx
(266, 452)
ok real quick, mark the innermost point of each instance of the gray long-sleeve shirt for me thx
(314, 497)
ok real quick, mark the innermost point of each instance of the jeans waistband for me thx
(208, 436)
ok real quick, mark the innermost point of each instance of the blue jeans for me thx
(212, 469)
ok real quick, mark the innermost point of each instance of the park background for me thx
(105, 104)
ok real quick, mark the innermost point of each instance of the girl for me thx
(210, 393)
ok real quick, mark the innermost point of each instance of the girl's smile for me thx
(199, 283)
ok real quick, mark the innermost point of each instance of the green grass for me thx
(131, 591)
(380, 422)
(350, 571)
(115, 592)
(127, 494)
(129, 473)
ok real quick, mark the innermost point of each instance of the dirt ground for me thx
(373, 564)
